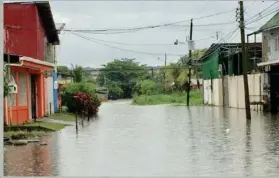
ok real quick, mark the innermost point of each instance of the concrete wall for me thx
(50, 98)
(235, 91)
(212, 91)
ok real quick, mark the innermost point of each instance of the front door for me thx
(33, 97)
(274, 88)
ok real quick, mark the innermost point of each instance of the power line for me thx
(120, 43)
(259, 14)
(203, 7)
(276, 10)
(125, 30)
(202, 25)
(129, 50)
(142, 69)
(217, 45)
(262, 14)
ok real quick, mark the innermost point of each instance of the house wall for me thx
(50, 100)
(50, 56)
(55, 92)
(19, 105)
(212, 91)
(269, 52)
(24, 33)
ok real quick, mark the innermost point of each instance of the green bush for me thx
(71, 89)
(148, 87)
(115, 90)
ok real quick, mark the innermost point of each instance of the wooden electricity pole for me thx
(165, 72)
(190, 63)
(244, 60)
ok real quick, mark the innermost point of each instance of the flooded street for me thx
(163, 140)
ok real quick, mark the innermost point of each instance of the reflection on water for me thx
(162, 140)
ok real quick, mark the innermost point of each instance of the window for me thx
(12, 97)
(276, 44)
(22, 94)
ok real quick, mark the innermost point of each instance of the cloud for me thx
(112, 14)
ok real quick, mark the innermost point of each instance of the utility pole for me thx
(165, 71)
(190, 63)
(244, 60)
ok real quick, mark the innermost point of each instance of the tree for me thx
(63, 69)
(124, 73)
(78, 73)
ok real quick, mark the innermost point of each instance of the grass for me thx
(48, 125)
(63, 116)
(33, 130)
(174, 98)
(23, 134)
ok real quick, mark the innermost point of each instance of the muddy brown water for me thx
(163, 140)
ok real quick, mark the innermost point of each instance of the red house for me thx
(30, 33)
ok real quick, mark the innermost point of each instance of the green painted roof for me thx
(273, 22)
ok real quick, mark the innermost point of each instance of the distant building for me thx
(93, 72)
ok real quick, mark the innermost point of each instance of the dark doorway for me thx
(274, 88)
(33, 97)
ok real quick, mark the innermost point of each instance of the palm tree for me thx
(77, 72)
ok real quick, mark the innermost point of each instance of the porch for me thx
(30, 100)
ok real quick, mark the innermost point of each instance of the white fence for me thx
(230, 90)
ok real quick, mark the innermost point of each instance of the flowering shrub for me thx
(72, 90)
(87, 105)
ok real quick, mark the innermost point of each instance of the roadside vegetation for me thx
(146, 86)
(178, 98)
(63, 116)
(128, 79)
(32, 129)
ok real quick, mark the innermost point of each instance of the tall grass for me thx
(173, 98)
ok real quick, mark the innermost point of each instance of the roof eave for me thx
(46, 16)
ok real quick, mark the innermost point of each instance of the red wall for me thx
(26, 36)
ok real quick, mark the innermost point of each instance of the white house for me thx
(270, 64)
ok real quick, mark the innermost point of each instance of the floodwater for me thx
(164, 140)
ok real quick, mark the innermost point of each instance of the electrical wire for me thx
(261, 12)
(120, 43)
(264, 13)
(128, 50)
(217, 45)
(125, 30)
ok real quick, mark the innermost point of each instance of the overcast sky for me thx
(131, 14)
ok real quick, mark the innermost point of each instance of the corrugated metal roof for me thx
(216, 46)
(44, 11)
(272, 23)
